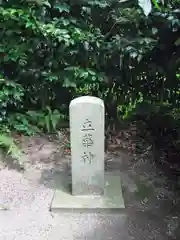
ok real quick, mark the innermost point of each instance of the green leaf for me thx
(49, 110)
(156, 4)
(55, 120)
(91, 73)
(83, 74)
(28, 24)
(68, 83)
(12, 149)
(62, 7)
(47, 123)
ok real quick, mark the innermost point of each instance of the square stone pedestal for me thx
(112, 199)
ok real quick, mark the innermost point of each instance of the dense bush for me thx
(53, 51)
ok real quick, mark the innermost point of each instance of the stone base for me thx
(112, 199)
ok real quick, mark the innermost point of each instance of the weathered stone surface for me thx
(111, 200)
(87, 145)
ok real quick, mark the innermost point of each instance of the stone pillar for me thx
(87, 145)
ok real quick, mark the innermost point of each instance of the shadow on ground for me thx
(151, 198)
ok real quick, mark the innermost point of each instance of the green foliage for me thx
(47, 120)
(51, 52)
(7, 143)
(63, 47)
(127, 111)
(22, 124)
(33, 122)
(10, 95)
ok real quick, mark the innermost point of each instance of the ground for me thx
(151, 198)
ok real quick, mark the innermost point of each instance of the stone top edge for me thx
(87, 99)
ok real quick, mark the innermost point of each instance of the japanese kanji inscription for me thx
(87, 145)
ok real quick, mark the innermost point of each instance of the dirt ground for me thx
(152, 198)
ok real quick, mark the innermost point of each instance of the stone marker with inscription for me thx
(90, 188)
(87, 145)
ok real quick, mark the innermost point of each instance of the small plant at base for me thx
(7, 143)
(48, 119)
(21, 124)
